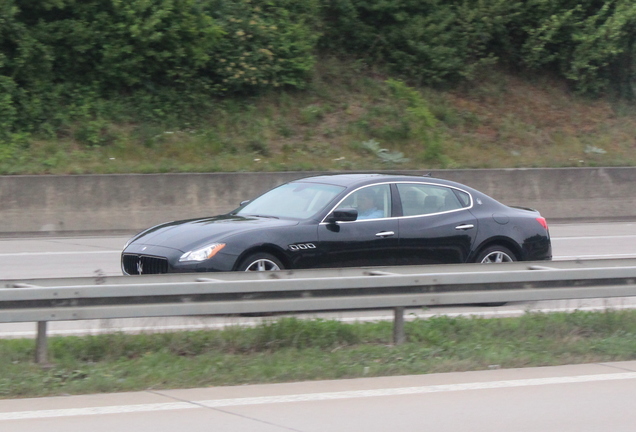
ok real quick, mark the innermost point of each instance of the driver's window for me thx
(372, 202)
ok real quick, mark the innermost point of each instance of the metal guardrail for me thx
(102, 297)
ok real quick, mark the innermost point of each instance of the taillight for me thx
(543, 222)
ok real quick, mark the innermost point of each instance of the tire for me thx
(261, 262)
(493, 255)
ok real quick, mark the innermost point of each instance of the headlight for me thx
(202, 254)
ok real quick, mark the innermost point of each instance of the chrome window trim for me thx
(433, 214)
(472, 202)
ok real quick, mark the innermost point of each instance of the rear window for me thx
(422, 199)
(463, 197)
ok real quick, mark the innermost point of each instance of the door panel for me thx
(371, 240)
(359, 243)
(437, 227)
(436, 239)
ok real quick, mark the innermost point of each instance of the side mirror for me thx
(347, 214)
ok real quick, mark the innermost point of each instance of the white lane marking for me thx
(594, 237)
(552, 238)
(119, 251)
(555, 257)
(59, 253)
(311, 397)
(77, 412)
(443, 388)
(575, 257)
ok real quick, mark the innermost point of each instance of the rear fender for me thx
(508, 243)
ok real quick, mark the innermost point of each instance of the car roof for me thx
(361, 179)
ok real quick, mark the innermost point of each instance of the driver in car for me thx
(367, 208)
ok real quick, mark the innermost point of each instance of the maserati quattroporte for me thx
(342, 221)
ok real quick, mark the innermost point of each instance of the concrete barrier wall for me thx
(56, 205)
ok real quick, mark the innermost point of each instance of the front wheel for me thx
(261, 262)
(494, 255)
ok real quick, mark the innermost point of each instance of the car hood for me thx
(186, 234)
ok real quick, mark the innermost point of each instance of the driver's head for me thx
(366, 199)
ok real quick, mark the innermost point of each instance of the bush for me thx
(588, 43)
(265, 44)
(59, 59)
(64, 61)
(431, 42)
(592, 44)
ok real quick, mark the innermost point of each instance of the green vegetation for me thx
(291, 349)
(349, 118)
(114, 86)
(110, 86)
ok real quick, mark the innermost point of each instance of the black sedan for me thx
(342, 221)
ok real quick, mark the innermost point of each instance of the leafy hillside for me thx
(354, 119)
(103, 86)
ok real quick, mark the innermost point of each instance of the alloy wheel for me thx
(496, 257)
(262, 265)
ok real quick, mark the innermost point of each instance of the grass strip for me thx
(291, 349)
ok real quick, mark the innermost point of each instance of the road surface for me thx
(90, 256)
(576, 398)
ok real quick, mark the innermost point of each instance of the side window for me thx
(464, 198)
(422, 199)
(372, 202)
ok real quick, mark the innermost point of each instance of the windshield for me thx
(292, 200)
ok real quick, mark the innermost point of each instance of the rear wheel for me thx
(261, 262)
(494, 255)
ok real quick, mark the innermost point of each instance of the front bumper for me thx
(148, 259)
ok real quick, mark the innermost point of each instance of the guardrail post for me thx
(398, 326)
(41, 345)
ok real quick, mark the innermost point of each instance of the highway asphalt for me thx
(575, 398)
(49, 257)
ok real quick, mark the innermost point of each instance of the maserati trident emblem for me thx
(140, 266)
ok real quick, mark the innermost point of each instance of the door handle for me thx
(385, 234)
(464, 227)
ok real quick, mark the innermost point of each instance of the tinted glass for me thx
(294, 200)
(421, 199)
(464, 198)
(372, 202)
